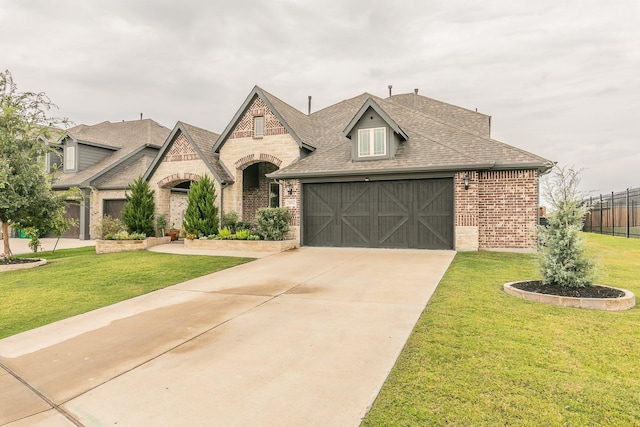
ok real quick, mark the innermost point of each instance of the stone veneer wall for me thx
(96, 206)
(466, 212)
(508, 209)
(292, 202)
(180, 164)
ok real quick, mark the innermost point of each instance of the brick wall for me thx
(258, 197)
(507, 209)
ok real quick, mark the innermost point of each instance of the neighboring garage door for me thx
(72, 212)
(113, 208)
(385, 214)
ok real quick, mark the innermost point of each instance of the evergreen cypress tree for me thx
(138, 213)
(201, 216)
(562, 258)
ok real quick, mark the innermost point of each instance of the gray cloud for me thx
(559, 78)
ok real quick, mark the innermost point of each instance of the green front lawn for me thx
(479, 357)
(77, 280)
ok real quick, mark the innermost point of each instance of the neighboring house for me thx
(402, 172)
(103, 159)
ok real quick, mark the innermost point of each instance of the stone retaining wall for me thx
(242, 245)
(111, 246)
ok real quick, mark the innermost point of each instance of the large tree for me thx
(26, 198)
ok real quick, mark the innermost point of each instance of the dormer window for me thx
(70, 158)
(372, 142)
(258, 126)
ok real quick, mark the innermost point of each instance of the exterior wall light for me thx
(289, 188)
(466, 181)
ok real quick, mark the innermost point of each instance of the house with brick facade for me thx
(405, 171)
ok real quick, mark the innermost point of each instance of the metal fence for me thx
(615, 214)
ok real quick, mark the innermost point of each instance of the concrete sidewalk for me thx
(304, 337)
(21, 246)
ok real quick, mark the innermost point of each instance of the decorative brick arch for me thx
(249, 159)
(178, 177)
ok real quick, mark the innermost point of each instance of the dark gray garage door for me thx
(385, 214)
(72, 212)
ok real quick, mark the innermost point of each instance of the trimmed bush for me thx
(108, 225)
(273, 223)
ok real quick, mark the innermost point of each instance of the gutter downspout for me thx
(223, 185)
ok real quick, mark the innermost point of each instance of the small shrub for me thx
(245, 225)
(253, 237)
(230, 220)
(123, 235)
(225, 234)
(273, 223)
(242, 235)
(106, 226)
(161, 223)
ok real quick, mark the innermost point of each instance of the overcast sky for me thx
(560, 79)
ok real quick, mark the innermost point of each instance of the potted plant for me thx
(173, 232)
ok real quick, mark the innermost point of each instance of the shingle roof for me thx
(125, 138)
(205, 140)
(434, 143)
(121, 134)
(463, 118)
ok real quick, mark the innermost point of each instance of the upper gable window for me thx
(372, 142)
(70, 158)
(258, 126)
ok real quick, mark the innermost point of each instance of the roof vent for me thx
(390, 87)
(309, 112)
(415, 98)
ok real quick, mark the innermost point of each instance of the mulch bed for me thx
(12, 261)
(594, 291)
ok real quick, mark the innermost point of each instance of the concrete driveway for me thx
(305, 337)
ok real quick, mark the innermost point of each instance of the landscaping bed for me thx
(594, 297)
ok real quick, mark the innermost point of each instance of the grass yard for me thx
(480, 357)
(77, 280)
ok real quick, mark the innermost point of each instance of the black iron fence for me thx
(616, 214)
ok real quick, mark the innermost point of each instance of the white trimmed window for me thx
(258, 127)
(372, 142)
(70, 157)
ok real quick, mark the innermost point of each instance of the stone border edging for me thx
(605, 304)
(12, 267)
(242, 245)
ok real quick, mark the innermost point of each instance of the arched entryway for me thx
(258, 191)
(172, 197)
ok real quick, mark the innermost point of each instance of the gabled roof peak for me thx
(371, 103)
